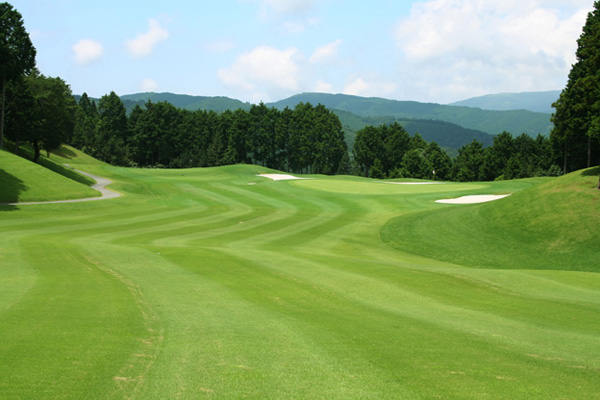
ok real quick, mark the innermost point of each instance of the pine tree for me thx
(576, 120)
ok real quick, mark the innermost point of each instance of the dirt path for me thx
(100, 186)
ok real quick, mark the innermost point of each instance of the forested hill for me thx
(186, 102)
(474, 121)
(532, 101)
(446, 134)
(492, 122)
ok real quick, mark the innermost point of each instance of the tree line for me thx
(306, 139)
(387, 151)
(576, 132)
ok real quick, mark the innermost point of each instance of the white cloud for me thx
(323, 87)
(143, 44)
(325, 52)
(147, 85)
(456, 48)
(374, 86)
(263, 72)
(87, 51)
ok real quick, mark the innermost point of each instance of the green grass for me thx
(215, 283)
(553, 226)
(22, 181)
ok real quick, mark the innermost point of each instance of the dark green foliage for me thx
(440, 162)
(468, 164)
(51, 116)
(19, 111)
(86, 125)
(17, 54)
(305, 139)
(113, 134)
(576, 133)
(377, 170)
(388, 151)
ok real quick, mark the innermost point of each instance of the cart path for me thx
(100, 186)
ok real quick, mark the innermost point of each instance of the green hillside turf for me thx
(24, 181)
(215, 283)
(550, 226)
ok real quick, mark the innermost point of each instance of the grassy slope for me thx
(22, 180)
(215, 283)
(551, 226)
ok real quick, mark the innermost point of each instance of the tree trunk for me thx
(589, 160)
(598, 187)
(2, 112)
(565, 162)
(36, 149)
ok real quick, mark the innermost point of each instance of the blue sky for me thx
(431, 50)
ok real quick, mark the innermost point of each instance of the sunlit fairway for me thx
(218, 283)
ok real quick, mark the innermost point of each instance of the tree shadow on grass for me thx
(64, 171)
(591, 172)
(10, 189)
(65, 153)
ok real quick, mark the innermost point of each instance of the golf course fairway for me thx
(217, 283)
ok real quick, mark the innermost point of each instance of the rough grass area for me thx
(216, 283)
(23, 181)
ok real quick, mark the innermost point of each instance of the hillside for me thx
(22, 181)
(491, 122)
(187, 102)
(531, 101)
(553, 225)
(446, 134)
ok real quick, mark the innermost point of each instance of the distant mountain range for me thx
(488, 121)
(187, 102)
(531, 101)
(451, 126)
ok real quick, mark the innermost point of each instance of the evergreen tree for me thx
(576, 121)
(86, 124)
(468, 163)
(17, 54)
(112, 139)
(53, 114)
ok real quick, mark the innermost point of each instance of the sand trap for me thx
(415, 183)
(280, 177)
(474, 199)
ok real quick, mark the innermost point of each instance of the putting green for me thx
(370, 187)
(215, 283)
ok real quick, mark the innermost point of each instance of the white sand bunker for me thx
(280, 177)
(473, 199)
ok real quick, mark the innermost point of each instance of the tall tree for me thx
(86, 125)
(53, 112)
(19, 111)
(17, 54)
(468, 163)
(112, 129)
(576, 118)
